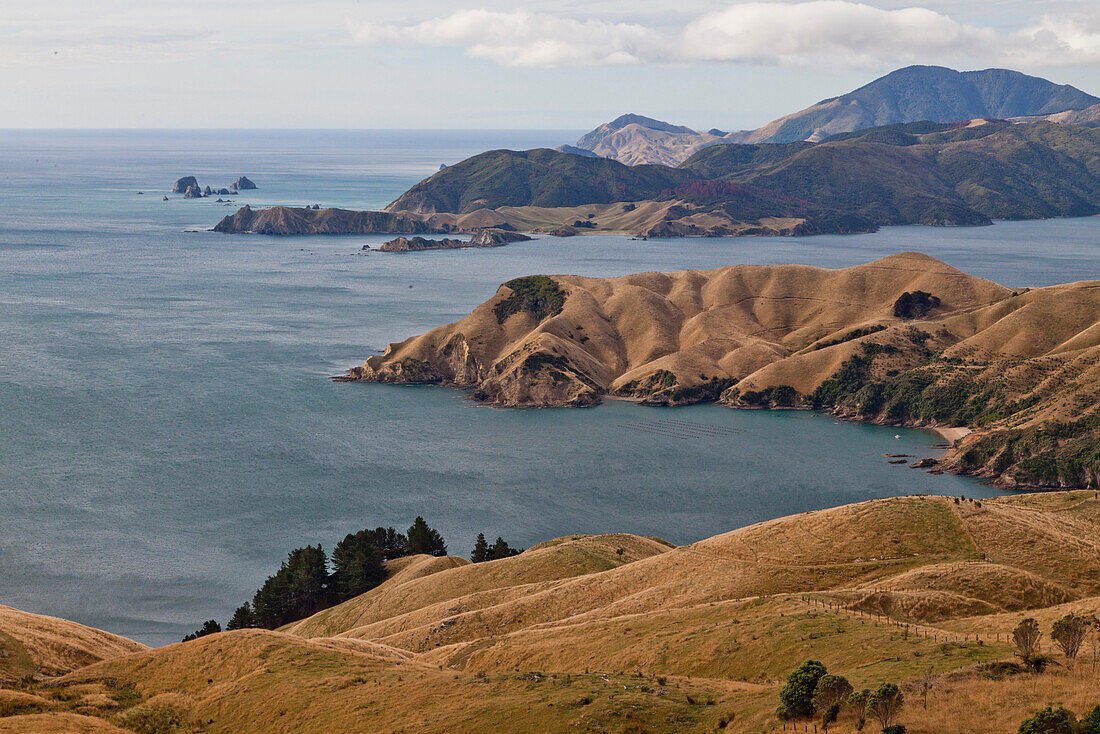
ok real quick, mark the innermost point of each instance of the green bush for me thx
(1090, 723)
(1050, 721)
(914, 305)
(538, 295)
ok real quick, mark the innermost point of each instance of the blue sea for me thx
(168, 430)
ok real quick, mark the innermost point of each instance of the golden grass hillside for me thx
(613, 335)
(1019, 368)
(33, 644)
(619, 633)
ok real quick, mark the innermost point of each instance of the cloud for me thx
(527, 39)
(844, 33)
(836, 33)
(1059, 40)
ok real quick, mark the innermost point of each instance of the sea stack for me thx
(185, 183)
(192, 192)
(243, 184)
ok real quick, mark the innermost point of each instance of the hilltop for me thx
(1018, 367)
(621, 633)
(910, 94)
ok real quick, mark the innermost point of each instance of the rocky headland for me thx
(483, 238)
(902, 340)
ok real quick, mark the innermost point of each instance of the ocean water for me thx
(168, 431)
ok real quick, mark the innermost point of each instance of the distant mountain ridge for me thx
(965, 173)
(910, 94)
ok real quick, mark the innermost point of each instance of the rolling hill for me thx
(1019, 368)
(574, 635)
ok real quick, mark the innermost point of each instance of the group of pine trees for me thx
(309, 580)
(305, 585)
(484, 552)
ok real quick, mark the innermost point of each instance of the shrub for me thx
(538, 295)
(1001, 669)
(1038, 663)
(884, 704)
(1090, 723)
(162, 719)
(1026, 637)
(1050, 721)
(914, 305)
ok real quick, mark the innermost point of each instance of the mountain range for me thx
(911, 94)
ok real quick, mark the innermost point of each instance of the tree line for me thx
(309, 580)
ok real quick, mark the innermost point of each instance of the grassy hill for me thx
(1019, 368)
(538, 177)
(573, 635)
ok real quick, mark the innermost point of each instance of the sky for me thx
(491, 64)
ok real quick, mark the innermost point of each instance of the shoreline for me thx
(952, 433)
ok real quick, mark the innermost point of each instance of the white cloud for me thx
(844, 33)
(1059, 40)
(836, 33)
(526, 39)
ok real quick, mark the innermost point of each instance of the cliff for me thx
(285, 220)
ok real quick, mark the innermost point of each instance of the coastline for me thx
(952, 433)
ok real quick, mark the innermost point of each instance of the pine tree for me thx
(209, 627)
(357, 565)
(243, 618)
(501, 549)
(298, 589)
(481, 550)
(424, 539)
(391, 543)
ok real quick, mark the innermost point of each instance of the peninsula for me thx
(904, 340)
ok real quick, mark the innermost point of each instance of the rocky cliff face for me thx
(284, 220)
(483, 238)
(185, 183)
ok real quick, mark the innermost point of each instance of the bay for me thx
(168, 431)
